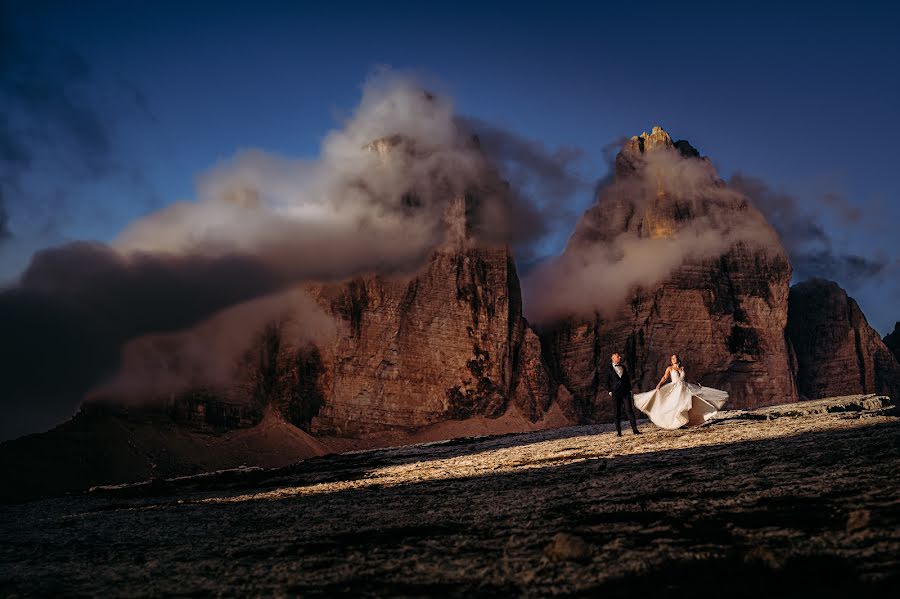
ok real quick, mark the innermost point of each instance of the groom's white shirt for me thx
(618, 369)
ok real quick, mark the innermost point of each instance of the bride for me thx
(678, 403)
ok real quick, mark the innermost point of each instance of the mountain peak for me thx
(634, 149)
(648, 142)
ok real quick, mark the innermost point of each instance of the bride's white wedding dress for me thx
(678, 403)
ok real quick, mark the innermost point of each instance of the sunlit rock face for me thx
(447, 342)
(838, 353)
(378, 352)
(722, 305)
(438, 346)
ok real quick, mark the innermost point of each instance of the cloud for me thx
(547, 181)
(806, 240)
(382, 196)
(529, 161)
(66, 319)
(57, 132)
(376, 196)
(210, 355)
(662, 208)
(48, 116)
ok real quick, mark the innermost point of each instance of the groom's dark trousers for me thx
(620, 388)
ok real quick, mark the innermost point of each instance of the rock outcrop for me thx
(838, 353)
(892, 341)
(442, 345)
(446, 351)
(401, 352)
(722, 308)
(448, 343)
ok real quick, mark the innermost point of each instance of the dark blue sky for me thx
(803, 98)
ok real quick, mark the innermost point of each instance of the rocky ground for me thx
(801, 499)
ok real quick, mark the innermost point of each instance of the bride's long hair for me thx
(677, 361)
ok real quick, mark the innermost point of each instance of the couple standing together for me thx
(669, 406)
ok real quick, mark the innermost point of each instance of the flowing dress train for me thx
(678, 403)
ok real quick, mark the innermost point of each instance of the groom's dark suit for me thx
(620, 389)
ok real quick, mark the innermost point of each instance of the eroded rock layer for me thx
(439, 346)
(449, 343)
(722, 309)
(838, 353)
(892, 341)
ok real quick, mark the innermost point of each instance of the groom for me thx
(618, 382)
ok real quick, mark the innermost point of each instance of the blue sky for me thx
(804, 98)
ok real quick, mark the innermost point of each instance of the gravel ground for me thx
(795, 500)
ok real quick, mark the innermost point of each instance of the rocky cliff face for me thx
(892, 341)
(439, 346)
(838, 353)
(723, 309)
(447, 343)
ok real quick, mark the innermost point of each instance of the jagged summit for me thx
(720, 298)
(658, 138)
(638, 146)
(384, 145)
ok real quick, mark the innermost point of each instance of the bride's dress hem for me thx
(680, 403)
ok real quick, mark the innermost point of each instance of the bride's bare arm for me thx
(664, 377)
